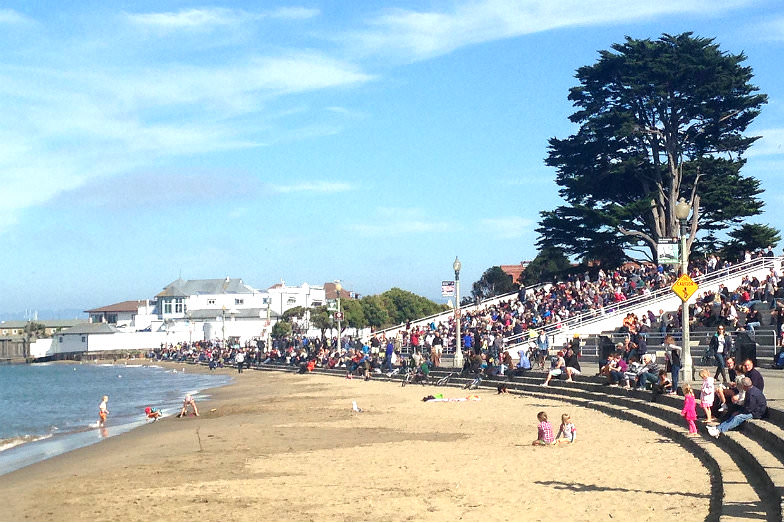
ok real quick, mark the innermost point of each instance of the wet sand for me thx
(286, 447)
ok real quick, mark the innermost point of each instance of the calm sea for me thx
(48, 409)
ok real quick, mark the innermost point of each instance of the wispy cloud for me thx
(317, 187)
(389, 222)
(771, 29)
(11, 17)
(770, 143)
(422, 34)
(202, 19)
(507, 228)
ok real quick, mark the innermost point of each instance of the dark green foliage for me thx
(659, 120)
(281, 329)
(549, 264)
(493, 282)
(752, 237)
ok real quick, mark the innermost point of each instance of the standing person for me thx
(103, 411)
(435, 350)
(390, 349)
(188, 402)
(239, 359)
(706, 394)
(544, 430)
(543, 346)
(721, 347)
(674, 353)
(689, 411)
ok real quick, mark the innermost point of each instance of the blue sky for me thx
(370, 142)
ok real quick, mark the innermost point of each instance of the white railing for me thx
(587, 321)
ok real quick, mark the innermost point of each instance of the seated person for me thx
(557, 368)
(617, 367)
(524, 364)
(649, 372)
(632, 371)
(662, 385)
(754, 406)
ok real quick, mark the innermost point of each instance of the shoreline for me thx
(40, 447)
(289, 447)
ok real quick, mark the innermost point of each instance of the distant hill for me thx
(45, 314)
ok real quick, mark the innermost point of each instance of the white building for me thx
(134, 315)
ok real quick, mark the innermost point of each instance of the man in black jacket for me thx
(754, 406)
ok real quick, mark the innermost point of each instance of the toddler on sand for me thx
(568, 432)
(545, 431)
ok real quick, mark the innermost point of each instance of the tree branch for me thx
(639, 234)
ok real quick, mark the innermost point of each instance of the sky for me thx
(368, 142)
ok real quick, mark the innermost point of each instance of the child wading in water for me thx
(545, 430)
(689, 408)
(568, 432)
(706, 395)
(102, 411)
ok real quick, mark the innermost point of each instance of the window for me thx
(291, 300)
(178, 305)
(84, 339)
(61, 339)
(111, 318)
(167, 306)
(211, 301)
(238, 301)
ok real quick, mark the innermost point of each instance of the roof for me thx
(49, 324)
(331, 293)
(211, 314)
(514, 270)
(185, 288)
(123, 306)
(90, 328)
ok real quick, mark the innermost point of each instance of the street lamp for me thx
(458, 351)
(682, 211)
(338, 316)
(223, 326)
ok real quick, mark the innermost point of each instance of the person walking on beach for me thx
(103, 411)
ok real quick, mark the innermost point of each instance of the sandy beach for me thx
(286, 447)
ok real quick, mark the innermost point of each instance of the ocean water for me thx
(51, 408)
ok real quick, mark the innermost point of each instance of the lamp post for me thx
(458, 351)
(682, 211)
(223, 326)
(338, 316)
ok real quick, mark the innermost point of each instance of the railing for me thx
(474, 306)
(618, 308)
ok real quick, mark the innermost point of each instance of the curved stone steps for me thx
(746, 476)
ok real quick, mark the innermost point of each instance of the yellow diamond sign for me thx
(685, 287)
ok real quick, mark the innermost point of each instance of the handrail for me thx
(617, 308)
(472, 307)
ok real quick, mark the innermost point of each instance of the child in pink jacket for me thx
(689, 408)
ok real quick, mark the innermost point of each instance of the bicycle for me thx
(475, 383)
(443, 381)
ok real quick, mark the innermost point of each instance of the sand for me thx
(287, 447)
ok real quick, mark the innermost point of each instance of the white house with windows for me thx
(284, 297)
(134, 315)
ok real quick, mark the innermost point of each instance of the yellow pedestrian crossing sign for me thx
(685, 287)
